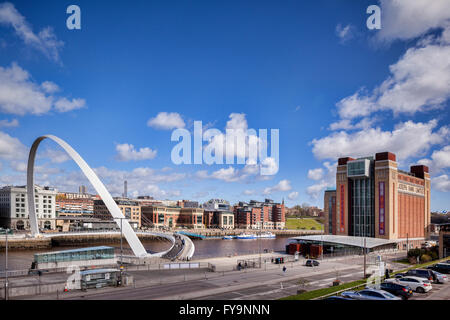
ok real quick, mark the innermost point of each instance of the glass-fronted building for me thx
(361, 184)
(83, 254)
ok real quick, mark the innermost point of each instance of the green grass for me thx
(328, 291)
(403, 261)
(324, 291)
(303, 223)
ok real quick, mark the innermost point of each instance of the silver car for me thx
(369, 294)
(440, 278)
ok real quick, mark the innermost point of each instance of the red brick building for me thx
(376, 199)
(256, 215)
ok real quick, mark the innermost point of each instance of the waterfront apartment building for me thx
(74, 207)
(376, 199)
(260, 215)
(14, 207)
(172, 217)
(217, 204)
(130, 209)
(218, 219)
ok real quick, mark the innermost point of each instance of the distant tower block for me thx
(82, 190)
(125, 189)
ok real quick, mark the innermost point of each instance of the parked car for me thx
(337, 298)
(440, 278)
(312, 263)
(441, 267)
(419, 285)
(397, 289)
(369, 294)
(422, 273)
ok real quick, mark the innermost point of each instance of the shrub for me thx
(434, 255)
(414, 253)
(412, 260)
(425, 258)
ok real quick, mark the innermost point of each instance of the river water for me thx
(21, 260)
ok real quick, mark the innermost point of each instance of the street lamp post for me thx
(6, 266)
(121, 248)
(321, 251)
(364, 257)
(260, 260)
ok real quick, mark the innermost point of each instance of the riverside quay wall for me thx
(235, 232)
(66, 240)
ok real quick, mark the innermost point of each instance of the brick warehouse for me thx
(373, 198)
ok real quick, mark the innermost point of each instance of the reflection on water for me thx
(221, 248)
(20, 260)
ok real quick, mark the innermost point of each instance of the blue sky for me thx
(311, 69)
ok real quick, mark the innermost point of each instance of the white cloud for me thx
(55, 156)
(249, 192)
(270, 165)
(11, 148)
(440, 159)
(50, 87)
(229, 175)
(18, 166)
(9, 124)
(326, 181)
(45, 41)
(346, 124)
(441, 183)
(316, 189)
(315, 174)
(283, 185)
(410, 19)
(238, 142)
(141, 180)
(20, 95)
(127, 152)
(419, 81)
(157, 193)
(166, 121)
(344, 33)
(293, 195)
(65, 105)
(371, 141)
(232, 147)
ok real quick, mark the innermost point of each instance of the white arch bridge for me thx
(131, 237)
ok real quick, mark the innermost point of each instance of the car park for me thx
(419, 285)
(397, 289)
(312, 263)
(369, 294)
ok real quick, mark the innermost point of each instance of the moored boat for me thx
(246, 236)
